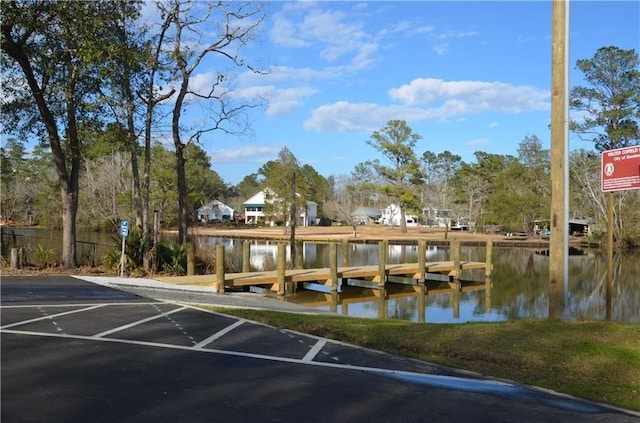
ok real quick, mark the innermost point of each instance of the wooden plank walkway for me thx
(278, 280)
(324, 276)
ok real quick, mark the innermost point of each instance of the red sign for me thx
(620, 169)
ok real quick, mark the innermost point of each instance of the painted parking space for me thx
(143, 360)
(139, 320)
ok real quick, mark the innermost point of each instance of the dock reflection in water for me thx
(519, 287)
(442, 302)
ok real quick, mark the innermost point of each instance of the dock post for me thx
(454, 246)
(220, 268)
(422, 260)
(299, 264)
(345, 252)
(333, 266)
(282, 259)
(246, 256)
(422, 306)
(382, 263)
(334, 302)
(489, 260)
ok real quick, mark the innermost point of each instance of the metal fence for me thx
(36, 249)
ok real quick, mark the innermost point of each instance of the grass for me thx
(599, 361)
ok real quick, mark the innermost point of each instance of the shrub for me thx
(172, 257)
(134, 253)
(44, 257)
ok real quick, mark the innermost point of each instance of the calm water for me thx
(518, 288)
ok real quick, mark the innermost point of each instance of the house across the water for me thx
(577, 227)
(254, 210)
(215, 211)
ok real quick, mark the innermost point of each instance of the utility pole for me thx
(559, 237)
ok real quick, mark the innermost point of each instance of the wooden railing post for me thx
(422, 260)
(299, 264)
(333, 265)
(454, 247)
(345, 252)
(282, 260)
(489, 259)
(382, 262)
(220, 268)
(246, 256)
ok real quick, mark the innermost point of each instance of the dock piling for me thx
(282, 259)
(489, 259)
(333, 266)
(246, 256)
(454, 252)
(422, 260)
(382, 263)
(345, 252)
(220, 268)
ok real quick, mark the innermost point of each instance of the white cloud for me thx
(472, 96)
(477, 142)
(430, 100)
(332, 33)
(440, 48)
(280, 101)
(283, 33)
(343, 116)
(493, 125)
(244, 154)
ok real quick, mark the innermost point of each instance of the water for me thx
(518, 288)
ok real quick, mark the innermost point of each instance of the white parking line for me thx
(218, 334)
(52, 316)
(139, 322)
(443, 381)
(314, 351)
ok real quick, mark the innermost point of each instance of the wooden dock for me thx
(281, 279)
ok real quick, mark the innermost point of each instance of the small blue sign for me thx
(124, 228)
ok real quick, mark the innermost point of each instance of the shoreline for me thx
(367, 234)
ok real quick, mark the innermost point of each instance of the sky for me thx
(466, 76)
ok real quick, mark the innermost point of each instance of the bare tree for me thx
(215, 30)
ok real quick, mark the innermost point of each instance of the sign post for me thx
(124, 232)
(620, 170)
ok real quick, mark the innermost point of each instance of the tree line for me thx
(94, 84)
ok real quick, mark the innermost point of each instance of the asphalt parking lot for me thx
(75, 351)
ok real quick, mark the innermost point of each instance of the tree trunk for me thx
(403, 221)
(183, 226)
(69, 213)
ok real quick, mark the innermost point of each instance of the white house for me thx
(391, 216)
(366, 215)
(215, 211)
(437, 217)
(254, 209)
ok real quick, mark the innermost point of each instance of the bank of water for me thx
(518, 287)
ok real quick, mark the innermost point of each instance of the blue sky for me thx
(467, 76)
